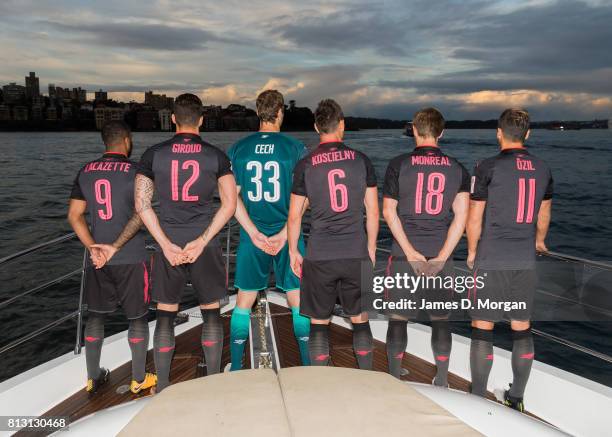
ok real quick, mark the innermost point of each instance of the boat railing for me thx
(78, 313)
(41, 287)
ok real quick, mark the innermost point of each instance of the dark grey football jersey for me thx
(334, 178)
(425, 183)
(513, 183)
(107, 185)
(185, 170)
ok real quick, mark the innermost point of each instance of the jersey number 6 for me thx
(338, 193)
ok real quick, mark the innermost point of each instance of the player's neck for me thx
(116, 151)
(426, 141)
(187, 130)
(330, 138)
(268, 127)
(507, 145)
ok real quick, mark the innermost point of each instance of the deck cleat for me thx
(149, 381)
(94, 384)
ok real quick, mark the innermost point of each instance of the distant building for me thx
(147, 119)
(13, 93)
(165, 119)
(103, 114)
(66, 113)
(52, 113)
(610, 124)
(38, 100)
(212, 122)
(79, 94)
(20, 113)
(32, 86)
(37, 112)
(158, 101)
(5, 113)
(100, 96)
(212, 118)
(234, 107)
(52, 91)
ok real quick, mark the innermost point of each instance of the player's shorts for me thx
(506, 294)
(124, 285)
(253, 267)
(323, 282)
(207, 275)
(432, 298)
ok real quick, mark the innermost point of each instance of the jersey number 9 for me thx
(102, 187)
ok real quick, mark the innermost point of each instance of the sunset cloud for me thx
(386, 59)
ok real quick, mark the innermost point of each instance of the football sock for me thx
(212, 339)
(522, 359)
(138, 338)
(481, 359)
(362, 345)
(163, 346)
(301, 329)
(239, 333)
(441, 343)
(94, 337)
(397, 340)
(318, 345)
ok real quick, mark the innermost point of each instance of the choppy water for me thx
(37, 170)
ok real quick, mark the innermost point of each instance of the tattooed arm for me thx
(131, 228)
(228, 195)
(143, 196)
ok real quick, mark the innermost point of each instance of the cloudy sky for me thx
(385, 59)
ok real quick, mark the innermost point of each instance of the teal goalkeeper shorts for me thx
(253, 267)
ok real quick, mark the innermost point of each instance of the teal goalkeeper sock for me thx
(239, 333)
(301, 329)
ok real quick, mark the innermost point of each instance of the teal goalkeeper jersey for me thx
(263, 167)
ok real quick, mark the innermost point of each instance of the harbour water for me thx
(37, 170)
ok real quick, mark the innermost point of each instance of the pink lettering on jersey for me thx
(108, 166)
(524, 164)
(337, 155)
(430, 160)
(186, 148)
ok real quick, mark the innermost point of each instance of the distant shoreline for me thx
(288, 131)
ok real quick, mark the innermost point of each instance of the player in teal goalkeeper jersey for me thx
(263, 167)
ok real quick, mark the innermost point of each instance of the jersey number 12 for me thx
(195, 174)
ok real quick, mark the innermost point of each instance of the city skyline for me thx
(470, 58)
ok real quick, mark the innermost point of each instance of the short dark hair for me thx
(428, 122)
(514, 124)
(187, 109)
(114, 132)
(328, 115)
(268, 103)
